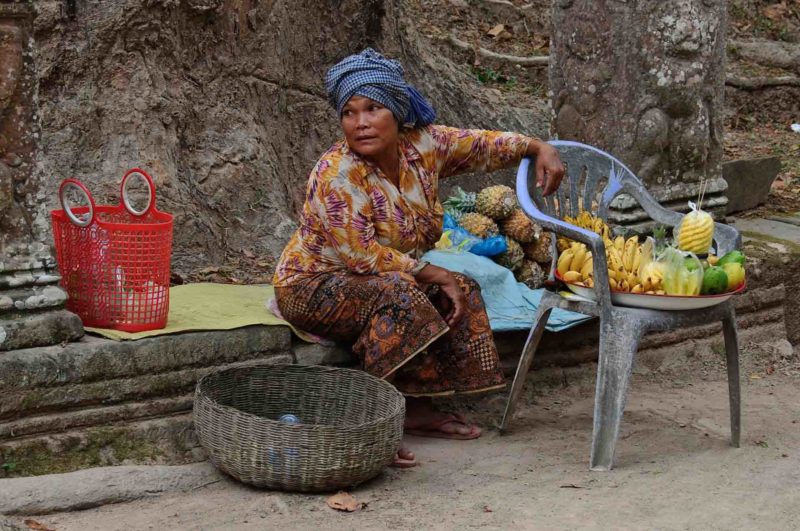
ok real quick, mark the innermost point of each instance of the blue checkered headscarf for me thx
(373, 76)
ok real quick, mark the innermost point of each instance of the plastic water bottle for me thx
(290, 455)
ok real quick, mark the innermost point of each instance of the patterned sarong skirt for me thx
(397, 331)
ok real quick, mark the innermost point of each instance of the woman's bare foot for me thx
(404, 458)
(424, 421)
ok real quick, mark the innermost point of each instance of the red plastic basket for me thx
(114, 260)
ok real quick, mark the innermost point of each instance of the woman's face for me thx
(370, 128)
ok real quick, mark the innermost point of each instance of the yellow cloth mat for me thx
(208, 306)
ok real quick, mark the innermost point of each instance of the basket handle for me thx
(151, 192)
(74, 184)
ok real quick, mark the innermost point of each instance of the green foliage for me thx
(488, 75)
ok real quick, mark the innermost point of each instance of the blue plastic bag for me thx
(462, 239)
(490, 246)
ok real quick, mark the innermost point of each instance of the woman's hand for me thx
(452, 300)
(549, 169)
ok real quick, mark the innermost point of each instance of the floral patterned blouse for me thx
(356, 219)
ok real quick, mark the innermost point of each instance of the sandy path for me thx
(675, 470)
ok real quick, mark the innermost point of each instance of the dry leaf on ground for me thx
(497, 30)
(33, 524)
(343, 501)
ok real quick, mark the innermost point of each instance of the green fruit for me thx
(732, 257)
(715, 280)
(691, 263)
(735, 273)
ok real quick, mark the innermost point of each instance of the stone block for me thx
(150, 441)
(96, 359)
(316, 354)
(749, 181)
(112, 391)
(38, 329)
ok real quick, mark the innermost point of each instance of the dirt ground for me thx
(675, 469)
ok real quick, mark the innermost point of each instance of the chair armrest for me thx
(727, 238)
(594, 242)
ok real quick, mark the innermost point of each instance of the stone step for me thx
(23, 330)
(96, 359)
(66, 398)
(31, 298)
(169, 439)
(97, 371)
(768, 230)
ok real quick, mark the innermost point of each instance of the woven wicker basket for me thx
(351, 425)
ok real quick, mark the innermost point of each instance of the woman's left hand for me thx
(549, 169)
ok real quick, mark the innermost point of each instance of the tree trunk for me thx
(644, 80)
(222, 100)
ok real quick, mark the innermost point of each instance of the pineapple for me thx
(696, 232)
(531, 274)
(496, 202)
(519, 227)
(513, 257)
(539, 250)
(454, 213)
(462, 201)
(478, 224)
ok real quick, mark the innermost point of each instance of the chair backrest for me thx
(593, 179)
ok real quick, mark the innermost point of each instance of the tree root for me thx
(756, 83)
(542, 60)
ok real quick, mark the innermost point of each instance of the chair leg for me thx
(525, 360)
(734, 390)
(618, 344)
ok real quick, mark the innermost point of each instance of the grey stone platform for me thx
(95, 401)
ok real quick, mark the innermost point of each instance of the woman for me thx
(352, 271)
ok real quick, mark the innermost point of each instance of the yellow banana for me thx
(629, 251)
(646, 284)
(564, 261)
(636, 289)
(613, 283)
(572, 276)
(624, 286)
(578, 256)
(589, 282)
(619, 243)
(616, 259)
(637, 259)
(587, 268)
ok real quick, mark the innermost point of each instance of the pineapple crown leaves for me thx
(460, 200)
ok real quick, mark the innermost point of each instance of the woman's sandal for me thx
(434, 429)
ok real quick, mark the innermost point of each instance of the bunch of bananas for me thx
(575, 265)
(630, 266)
(587, 221)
